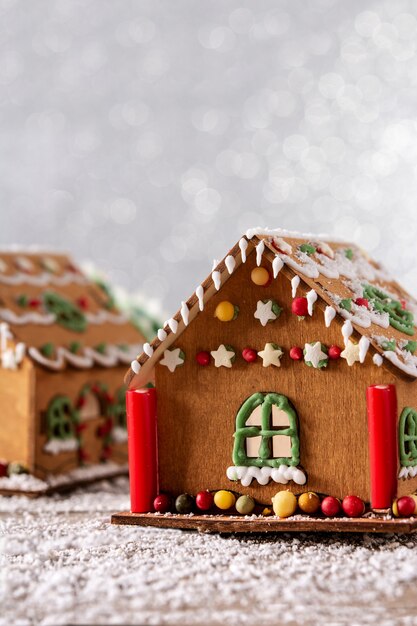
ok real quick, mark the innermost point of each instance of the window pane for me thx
(280, 418)
(254, 418)
(252, 446)
(281, 446)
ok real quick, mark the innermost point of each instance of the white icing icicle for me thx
(173, 324)
(377, 359)
(243, 245)
(277, 265)
(295, 281)
(259, 252)
(230, 263)
(216, 276)
(364, 344)
(148, 350)
(199, 292)
(162, 335)
(311, 299)
(184, 313)
(347, 330)
(329, 315)
(135, 366)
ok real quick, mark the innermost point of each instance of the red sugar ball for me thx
(334, 352)
(362, 302)
(330, 506)
(249, 355)
(203, 357)
(406, 506)
(296, 353)
(3, 468)
(299, 307)
(204, 500)
(34, 302)
(353, 506)
(162, 503)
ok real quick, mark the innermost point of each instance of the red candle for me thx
(142, 446)
(382, 432)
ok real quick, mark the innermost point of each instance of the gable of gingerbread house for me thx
(375, 312)
(54, 315)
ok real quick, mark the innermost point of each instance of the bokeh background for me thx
(146, 136)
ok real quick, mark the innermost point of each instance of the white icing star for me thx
(314, 354)
(351, 353)
(264, 312)
(172, 359)
(271, 355)
(222, 356)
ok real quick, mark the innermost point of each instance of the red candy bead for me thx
(3, 469)
(362, 302)
(334, 352)
(34, 302)
(330, 506)
(403, 303)
(204, 500)
(203, 358)
(249, 355)
(162, 503)
(296, 353)
(406, 506)
(82, 303)
(299, 307)
(353, 506)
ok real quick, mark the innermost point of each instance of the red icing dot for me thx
(334, 352)
(362, 302)
(249, 355)
(203, 358)
(34, 302)
(3, 469)
(82, 303)
(300, 307)
(296, 353)
(403, 303)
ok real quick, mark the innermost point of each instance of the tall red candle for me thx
(142, 447)
(382, 428)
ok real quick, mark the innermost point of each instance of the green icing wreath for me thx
(399, 318)
(67, 314)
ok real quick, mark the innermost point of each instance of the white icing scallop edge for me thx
(282, 474)
(88, 358)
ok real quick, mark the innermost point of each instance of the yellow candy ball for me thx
(284, 503)
(224, 499)
(309, 502)
(225, 311)
(260, 276)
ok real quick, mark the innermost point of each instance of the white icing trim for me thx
(311, 299)
(243, 245)
(408, 472)
(162, 334)
(230, 263)
(364, 344)
(329, 315)
(43, 279)
(199, 292)
(282, 474)
(347, 330)
(377, 359)
(293, 234)
(295, 281)
(87, 358)
(173, 325)
(277, 265)
(147, 348)
(56, 446)
(135, 367)
(101, 317)
(11, 317)
(216, 276)
(259, 252)
(119, 434)
(184, 314)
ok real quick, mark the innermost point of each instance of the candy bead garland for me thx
(224, 499)
(260, 276)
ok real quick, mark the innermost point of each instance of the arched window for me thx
(119, 408)
(407, 437)
(266, 432)
(60, 417)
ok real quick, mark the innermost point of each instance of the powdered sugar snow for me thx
(62, 562)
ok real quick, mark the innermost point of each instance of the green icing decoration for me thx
(67, 314)
(349, 253)
(266, 431)
(236, 311)
(411, 346)
(22, 300)
(346, 304)
(101, 347)
(389, 345)
(307, 248)
(399, 318)
(407, 437)
(48, 349)
(74, 347)
(61, 417)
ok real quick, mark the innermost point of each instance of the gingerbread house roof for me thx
(351, 287)
(53, 313)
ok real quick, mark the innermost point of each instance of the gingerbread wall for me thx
(197, 405)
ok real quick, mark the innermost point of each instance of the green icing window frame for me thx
(399, 318)
(266, 431)
(407, 437)
(61, 418)
(118, 409)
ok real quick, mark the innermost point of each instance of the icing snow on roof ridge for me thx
(282, 232)
(17, 248)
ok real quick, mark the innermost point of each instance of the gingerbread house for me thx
(64, 347)
(266, 378)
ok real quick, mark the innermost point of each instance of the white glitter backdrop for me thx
(147, 136)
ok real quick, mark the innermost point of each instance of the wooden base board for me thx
(234, 524)
(62, 488)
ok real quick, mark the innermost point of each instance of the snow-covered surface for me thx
(62, 562)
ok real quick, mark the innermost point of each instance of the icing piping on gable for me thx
(184, 313)
(347, 330)
(364, 344)
(162, 334)
(230, 263)
(295, 281)
(329, 315)
(147, 348)
(311, 299)
(243, 245)
(259, 252)
(377, 359)
(173, 324)
(277, 265)
(199, 292)
(43, 279)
